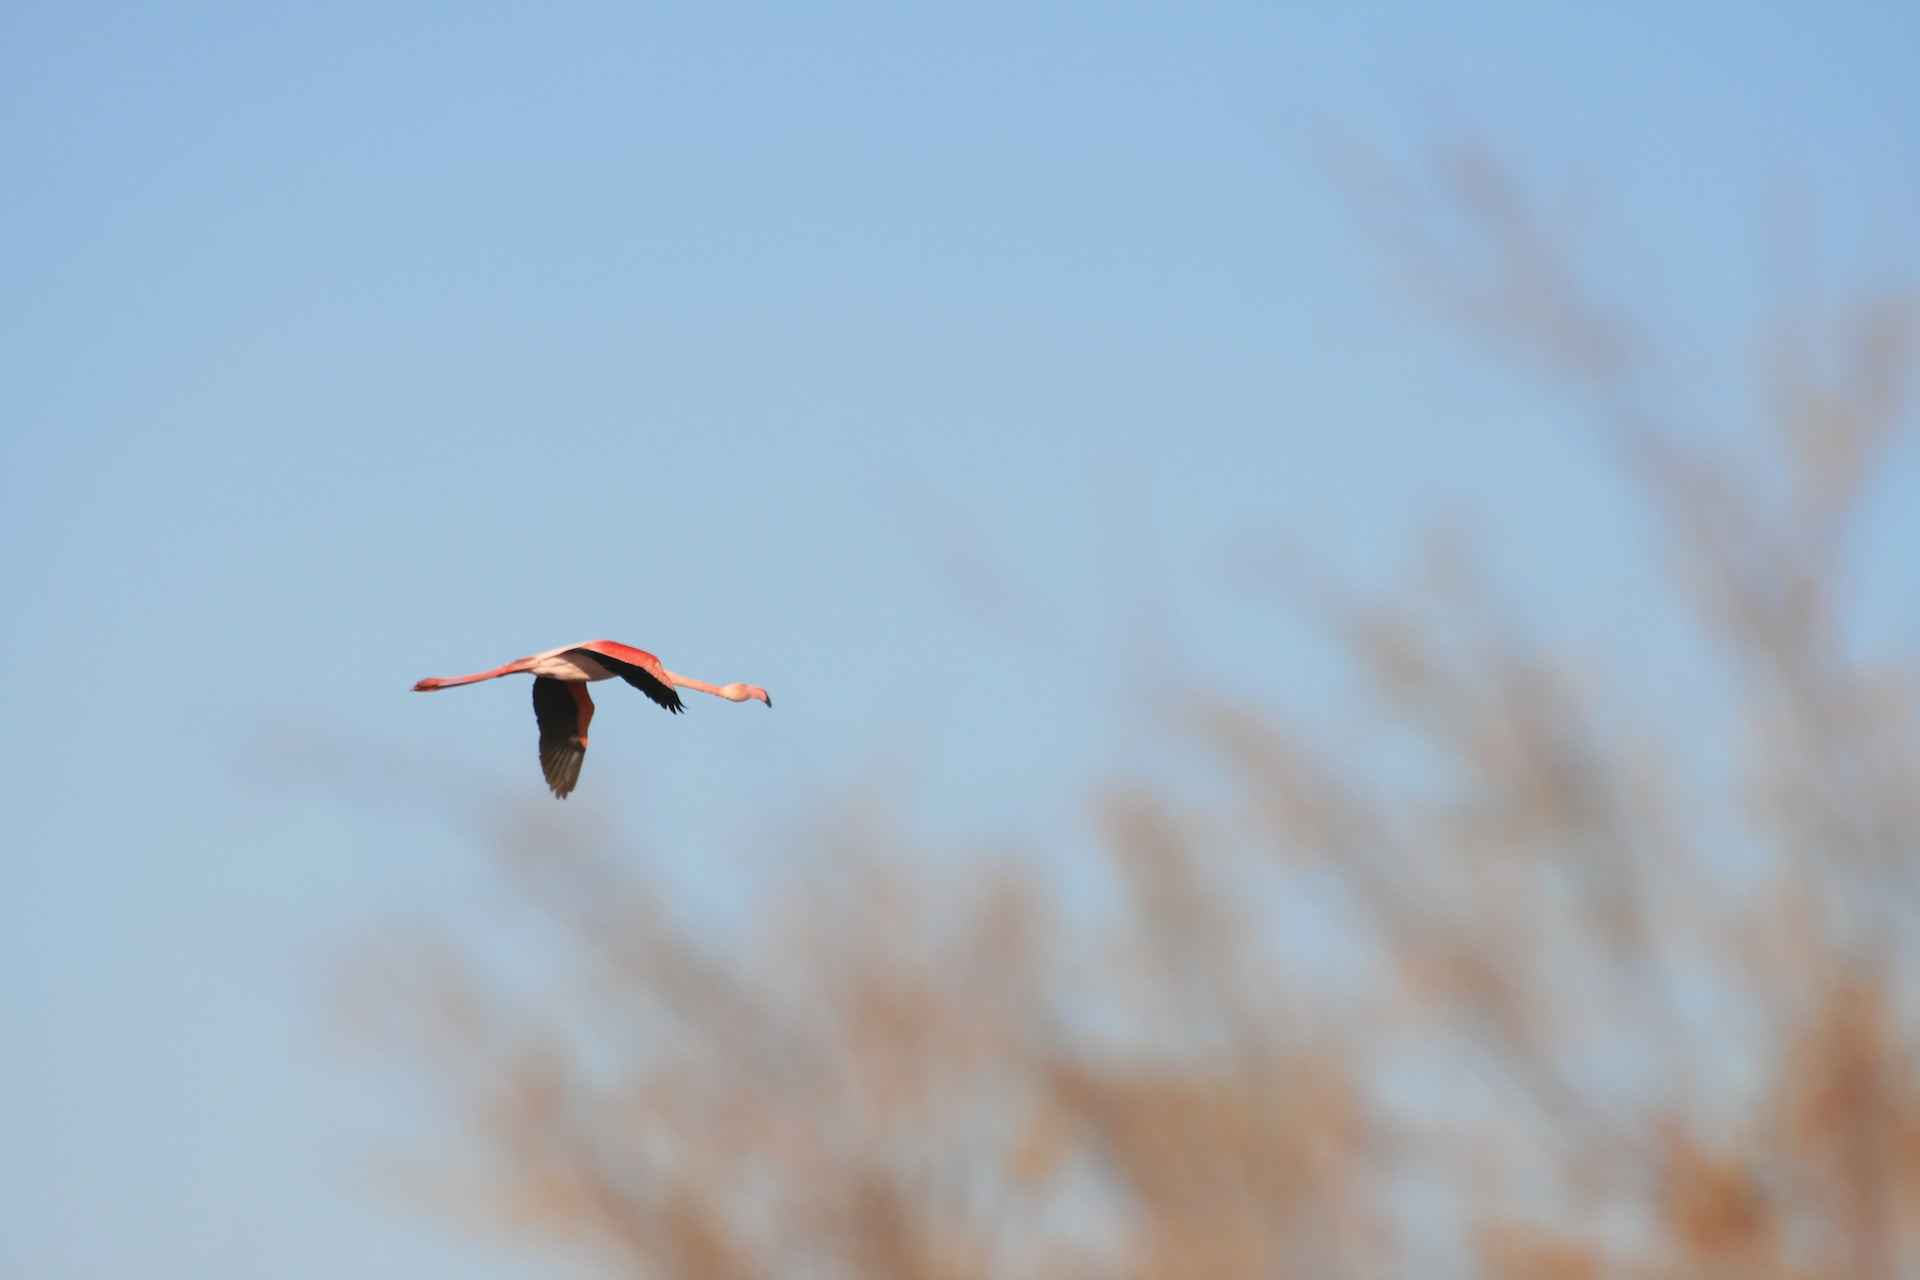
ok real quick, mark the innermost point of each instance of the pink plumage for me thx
(563, 709)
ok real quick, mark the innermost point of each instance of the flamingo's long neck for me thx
(688, 682)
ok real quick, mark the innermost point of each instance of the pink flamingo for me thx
(561, 704)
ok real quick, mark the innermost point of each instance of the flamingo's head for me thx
(428, 685)
(745, 693)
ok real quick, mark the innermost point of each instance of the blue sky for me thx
(899, 360)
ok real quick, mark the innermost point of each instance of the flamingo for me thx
(561, 704)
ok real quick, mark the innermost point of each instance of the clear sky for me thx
(897, 358)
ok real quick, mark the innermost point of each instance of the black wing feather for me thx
(561, 750)
(664, 695)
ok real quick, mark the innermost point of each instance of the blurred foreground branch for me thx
(1604, 1004)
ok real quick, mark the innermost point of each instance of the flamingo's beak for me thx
(769, 702)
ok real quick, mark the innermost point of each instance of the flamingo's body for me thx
(561, 704)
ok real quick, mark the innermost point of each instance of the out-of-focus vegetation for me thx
(1624, 983)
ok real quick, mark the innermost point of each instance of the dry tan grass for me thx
(1570, 1042)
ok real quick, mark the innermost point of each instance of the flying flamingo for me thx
(561, 704)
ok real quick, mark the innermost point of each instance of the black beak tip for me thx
(769, 702)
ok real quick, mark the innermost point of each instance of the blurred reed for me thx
(1576, 1038)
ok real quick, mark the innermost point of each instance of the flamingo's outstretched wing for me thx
(663, 694)
(563, 746)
